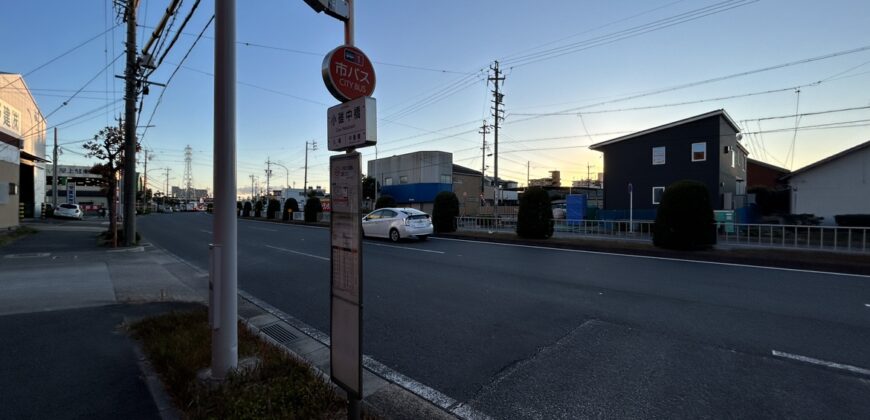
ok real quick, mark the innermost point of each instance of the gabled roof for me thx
(767, 165)
(829, 159)
(718, 112)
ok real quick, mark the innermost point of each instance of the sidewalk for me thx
(64, 300)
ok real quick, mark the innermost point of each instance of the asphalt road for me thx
(528, 332)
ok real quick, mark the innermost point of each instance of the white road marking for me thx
(649, 257)
(266, 229)
(206, 231)
(867, 305)
(297, 252)
(805, 359)
(404, 247)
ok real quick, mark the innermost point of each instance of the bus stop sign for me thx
(348, 73)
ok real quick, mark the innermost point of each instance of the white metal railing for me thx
(834, 238)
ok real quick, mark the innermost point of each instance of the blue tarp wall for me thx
(421, 193)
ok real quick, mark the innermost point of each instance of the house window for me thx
(699, 152)
(445, 179)
(658, 155)
(403, 179)
(388, 181)
(733, 159)
(657, 193)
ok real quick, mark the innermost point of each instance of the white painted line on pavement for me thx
(805, 359)
(867, 305)
(649, 257)
(206, 231)
(404, 247)
(267, 230)
(297, 252)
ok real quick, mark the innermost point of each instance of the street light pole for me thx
(223, 270)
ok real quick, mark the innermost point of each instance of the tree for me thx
(369, 188)
(290, 206)
(684, 219)
(246, 210)
(273, 208)
(385, 201)
(535, 218)
(312, 208)
(108, 146)
(258, 208)
(445, 211)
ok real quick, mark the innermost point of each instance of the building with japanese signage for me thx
(77, 184)
(22, 151)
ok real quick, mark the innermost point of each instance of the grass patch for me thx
(179, 345)
(11, 235)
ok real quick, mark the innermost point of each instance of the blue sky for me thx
(431, 60)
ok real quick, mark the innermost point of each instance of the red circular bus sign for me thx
(348, 73)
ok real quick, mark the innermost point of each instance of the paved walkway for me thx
(63, 304)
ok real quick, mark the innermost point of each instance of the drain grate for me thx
(279, 333)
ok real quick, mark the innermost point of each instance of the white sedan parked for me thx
(397, 223)
(73, 211)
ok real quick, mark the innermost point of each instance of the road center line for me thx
(297, 252)
(805, 359)
(404, 247)
(206, 231)
(267, 230)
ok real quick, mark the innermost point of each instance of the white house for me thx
(839, 184)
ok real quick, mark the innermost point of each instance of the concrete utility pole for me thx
(166, 191)
(223, 270)
(313, 147)
(54, 173)
(589, 174)
(484, 130)
(145, 181)
(497, 101)
(130, 94)
(252, 187)
(286, 172)
(268, 177)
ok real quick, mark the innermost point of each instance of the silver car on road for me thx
(397, 223)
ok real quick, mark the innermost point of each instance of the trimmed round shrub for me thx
(535, 218)
(273, 209)
(312, 207)
(246, 210)
(385, 201)
(684, 220)
(290, 206)
(258, 208)
(445, 211)
(210, 208)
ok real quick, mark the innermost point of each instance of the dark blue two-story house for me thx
(704, 148)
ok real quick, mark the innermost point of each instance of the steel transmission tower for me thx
(187, 181)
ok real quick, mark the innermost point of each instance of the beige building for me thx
(22, 152)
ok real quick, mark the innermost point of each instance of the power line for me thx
(628, 33)
(66, 102)
(171, 76)
(64, 54)
(703, 82)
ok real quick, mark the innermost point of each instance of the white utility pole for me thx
(54, 174)
(223, 270)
